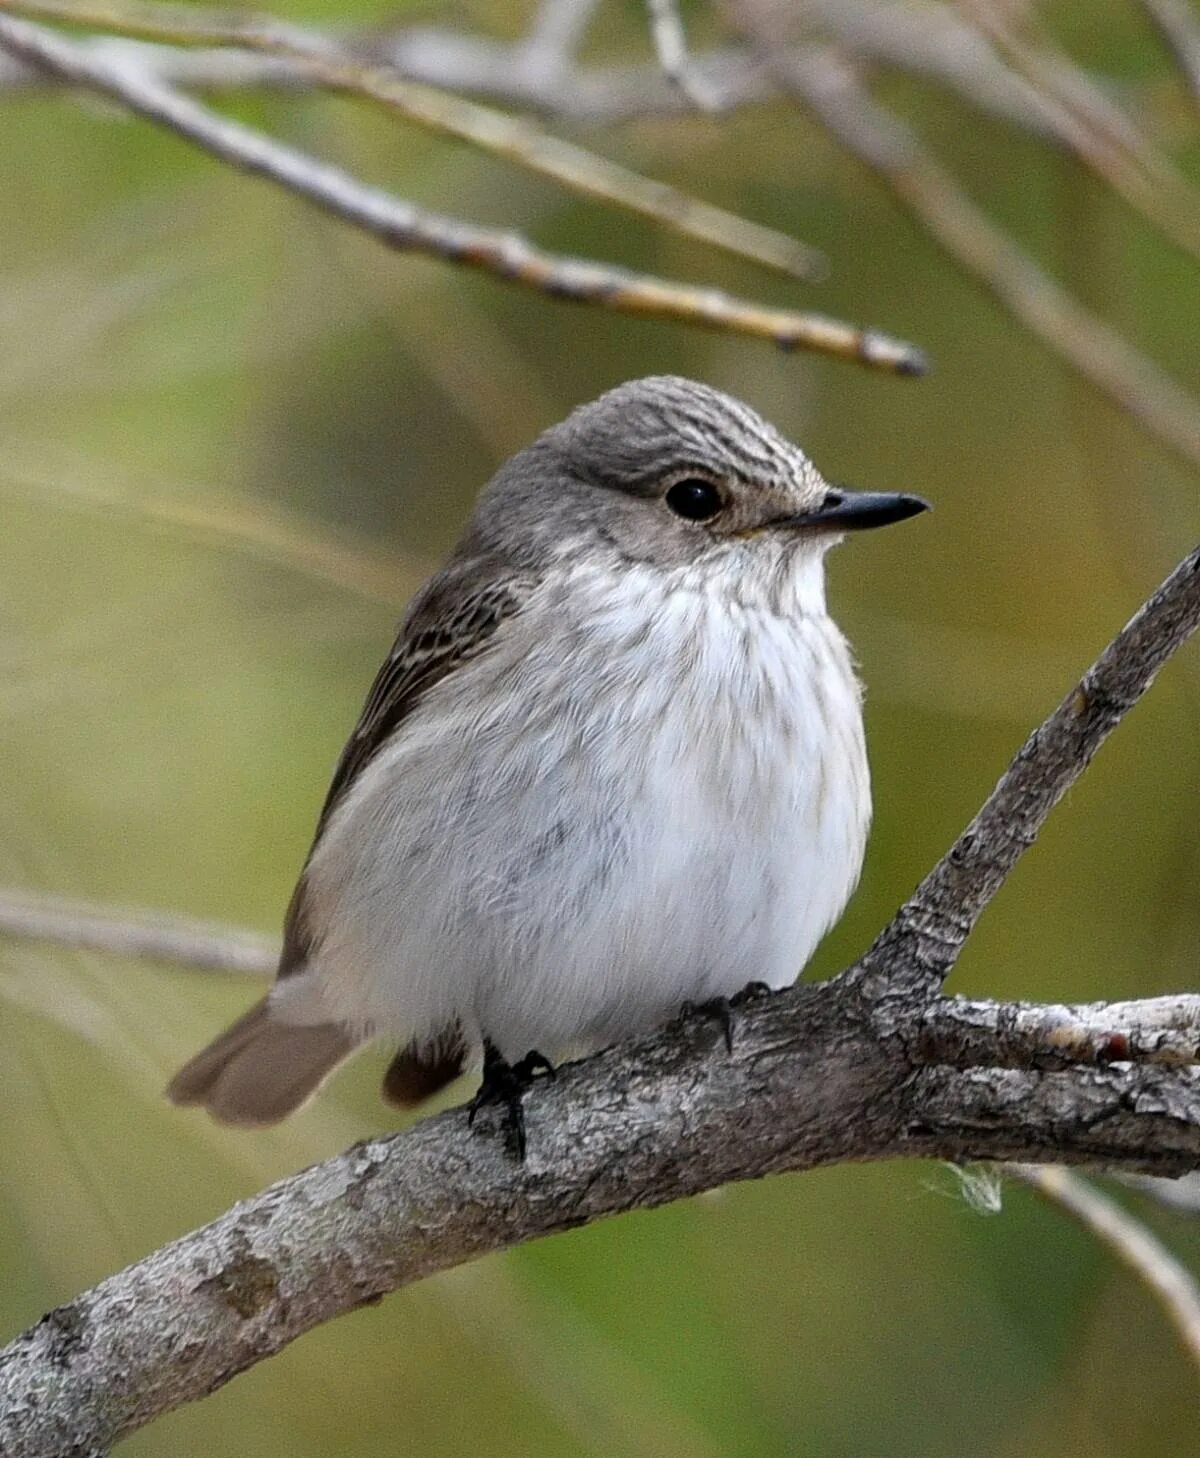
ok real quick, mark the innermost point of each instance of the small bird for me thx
(614, 764)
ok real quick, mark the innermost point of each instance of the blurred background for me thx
(237, 434)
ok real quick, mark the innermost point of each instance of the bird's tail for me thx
(261, 1069)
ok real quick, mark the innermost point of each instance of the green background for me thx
(198, 373)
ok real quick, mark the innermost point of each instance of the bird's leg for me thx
(534, 1065)
(505, 1083)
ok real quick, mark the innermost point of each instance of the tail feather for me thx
(260, 1069)
(419, 1071)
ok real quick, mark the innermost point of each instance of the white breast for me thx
(645, 791)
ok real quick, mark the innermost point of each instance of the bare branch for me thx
(1156, 1030)
(1179, 25)
(320, 62)
(925, 41)
(1130, 1241)
(924, 940)
(833, 93)
(1097, 131)
(812, 1080)
(670, 46)
(557, 32)
(862, 1067)
(151, 935)
(401, 225)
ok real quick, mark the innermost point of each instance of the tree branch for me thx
(402, 225)
(149, 935)
(323, 63)
(832, 92)
(924, 939)
(874, 1064)
(1136, 1247)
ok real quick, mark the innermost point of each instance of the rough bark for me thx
(875, 1064)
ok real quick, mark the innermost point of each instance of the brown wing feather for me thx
(448, 623)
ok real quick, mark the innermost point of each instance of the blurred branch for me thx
(265, 533)
(1179, 25)
(322, 63)
(1100, 134)
(670, 46)
(873, 1064)
(834, 94)
(154, 936)
(1130, 1241)
(922, 40)
(402, 225)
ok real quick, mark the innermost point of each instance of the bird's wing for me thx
(449, 623)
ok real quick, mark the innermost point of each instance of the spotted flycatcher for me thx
(614, 763)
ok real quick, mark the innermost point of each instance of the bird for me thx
(613, 765)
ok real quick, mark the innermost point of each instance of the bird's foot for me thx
(505, 1084)
(721, 1010)
(752, 992)
(718, 1010)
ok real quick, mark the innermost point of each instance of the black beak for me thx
(855, 511)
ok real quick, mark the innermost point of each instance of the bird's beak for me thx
(855, 511)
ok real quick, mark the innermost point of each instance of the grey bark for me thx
(875, 1064)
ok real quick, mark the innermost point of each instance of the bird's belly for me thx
(579, 870)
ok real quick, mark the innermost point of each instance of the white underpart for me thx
(651, 787)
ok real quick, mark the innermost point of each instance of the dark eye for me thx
(695, 499)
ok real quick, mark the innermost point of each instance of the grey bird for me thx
(614, 763)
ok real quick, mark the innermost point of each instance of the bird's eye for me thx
(695, 499)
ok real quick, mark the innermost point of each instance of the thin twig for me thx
(149, 935)
(1179, 26)
(670, 46)
(835, 96)
(929, 930)
(1099, 134)
(555, 34)
(267, 534)
(923, 41)
(322, 63)
(402, 225)
(1129, 1240)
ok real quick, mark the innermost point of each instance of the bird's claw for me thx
(505, 1084)
(719, 1010)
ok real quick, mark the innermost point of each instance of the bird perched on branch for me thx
(613, 764)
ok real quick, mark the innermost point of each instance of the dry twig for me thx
(148, 935)
(1097, 131)
(320, 62)
(670, 46)
(1179, 25)
(1130, 1241)
(402, 225)
(835, 96)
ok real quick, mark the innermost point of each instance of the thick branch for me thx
(815, 1078)
(872, 1065)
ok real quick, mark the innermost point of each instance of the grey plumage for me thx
(605, 723)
